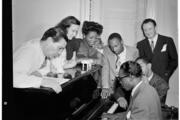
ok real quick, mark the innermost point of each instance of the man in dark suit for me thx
(158, 49)
(153, 79)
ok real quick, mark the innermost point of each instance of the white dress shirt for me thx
(150, 77)
(59, 62)
(154, 40)
(136, 87)
(122, 59)
(27, 59)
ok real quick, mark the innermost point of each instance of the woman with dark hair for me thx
(91, 32)
(70, 25)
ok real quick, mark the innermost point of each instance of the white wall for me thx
(32, 17)
(119, 16)
(165, 13)
(168, 25)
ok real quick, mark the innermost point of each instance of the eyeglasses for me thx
(120, 78)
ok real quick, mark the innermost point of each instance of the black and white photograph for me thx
(90, 60)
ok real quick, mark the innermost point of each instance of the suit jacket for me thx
(109, 61)
(164, 58)
(145, 104)
(159, 84)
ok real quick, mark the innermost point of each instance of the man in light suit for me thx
(158, 49)
(145, 103)
(115, 54)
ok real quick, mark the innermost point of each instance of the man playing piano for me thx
(144, 103)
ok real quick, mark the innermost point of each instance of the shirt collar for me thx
(150, 77)
(154, 39)
(135, 88)
(123, 53)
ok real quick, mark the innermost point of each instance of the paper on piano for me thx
(60, 80)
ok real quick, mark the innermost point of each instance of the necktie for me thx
(117, 62)
(152, 45)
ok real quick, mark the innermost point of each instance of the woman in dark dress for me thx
(70, 25)
(91, 32)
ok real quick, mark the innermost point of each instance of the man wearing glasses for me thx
(144, 103)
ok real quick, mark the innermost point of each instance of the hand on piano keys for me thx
(109, 114)
(105, 93)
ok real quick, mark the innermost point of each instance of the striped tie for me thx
(117, 62)
(152, 45)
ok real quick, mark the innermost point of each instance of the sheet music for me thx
(60, 80)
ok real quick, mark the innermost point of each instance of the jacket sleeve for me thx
(140, 50)
(173, 58)
(22, 64)
(161, 87)
(105, 72)
(140, 112)
(136, 54)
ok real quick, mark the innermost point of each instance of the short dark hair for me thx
(89, 26)
(145, 60)
(147, 21)
(54, 33)
(67, 22)
(131, 68)
(114, 35)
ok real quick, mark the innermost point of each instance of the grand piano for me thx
(76, 101)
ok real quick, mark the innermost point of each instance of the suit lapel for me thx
(112, 58)
(159, 43)
(149, 50)
(135, 95)
(152, 81)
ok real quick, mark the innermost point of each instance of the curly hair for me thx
(131, 68)
(91, 26)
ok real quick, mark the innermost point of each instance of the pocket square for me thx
(164, 48)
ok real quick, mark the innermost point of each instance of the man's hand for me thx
(106, 92)
(96, 93)
(108, 116)
(51, 83)
(36, 73)
(122, 102)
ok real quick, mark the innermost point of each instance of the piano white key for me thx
(112, 109)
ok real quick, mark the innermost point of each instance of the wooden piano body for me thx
(75, 102)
